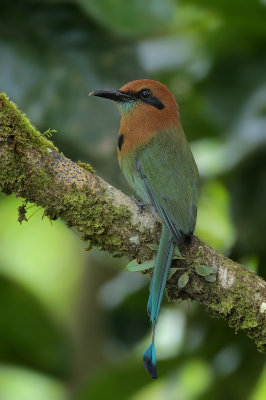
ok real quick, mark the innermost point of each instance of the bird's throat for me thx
(126, 107)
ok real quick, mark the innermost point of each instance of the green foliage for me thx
(134, 266)
(37, 255)
(20, 383)
(135, 19)
(153, 247)
(183, 280)
(19, 308)
(204, 270)
(210, 278)
(209, 273)
(214, 223)
(177, 254)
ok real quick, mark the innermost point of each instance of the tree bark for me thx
(32, 168)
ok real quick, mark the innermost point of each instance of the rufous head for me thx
(149, 98)
(147, 108)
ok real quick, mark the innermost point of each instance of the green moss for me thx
(16, 128)
(236, 303)
(22, 213)
(93, 215)
(95, 218)
(49, 133)
(86, 166)
(237, 308)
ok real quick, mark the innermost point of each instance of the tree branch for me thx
(32, 168)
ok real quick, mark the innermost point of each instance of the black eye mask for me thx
(145, 95)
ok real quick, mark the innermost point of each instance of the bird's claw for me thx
(140, 204)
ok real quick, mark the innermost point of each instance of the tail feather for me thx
(149, 304)
(161, 270)
(149, 361)
(159, 279)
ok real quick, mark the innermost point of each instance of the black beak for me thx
(115, 95)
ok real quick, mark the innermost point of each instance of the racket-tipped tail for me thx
(149, 361)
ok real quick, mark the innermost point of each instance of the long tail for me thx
(160, 274)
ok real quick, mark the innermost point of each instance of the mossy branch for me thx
(32, 168)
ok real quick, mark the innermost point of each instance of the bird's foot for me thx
(140, 204)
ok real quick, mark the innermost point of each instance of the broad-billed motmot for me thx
(155, 157)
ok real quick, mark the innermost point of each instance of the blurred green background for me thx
(73, 324)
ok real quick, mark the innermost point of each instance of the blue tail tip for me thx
(149, 361)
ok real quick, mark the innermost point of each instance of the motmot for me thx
(155, 157)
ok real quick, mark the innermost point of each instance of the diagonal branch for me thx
(32, 168)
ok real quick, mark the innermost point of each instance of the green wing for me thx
(164, 173)
(167, 175)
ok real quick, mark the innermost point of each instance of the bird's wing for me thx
(168, 174)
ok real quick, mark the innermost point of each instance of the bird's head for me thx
(147, 108)
(146, 99)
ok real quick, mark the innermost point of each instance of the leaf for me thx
(178, 255)
(133, 266)
(153, 246)
(183, 280)
(204, 270)
(171, 272)
(199, 252)
(210, 278)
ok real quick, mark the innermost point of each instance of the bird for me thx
(156, 159)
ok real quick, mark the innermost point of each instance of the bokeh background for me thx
(73, 324)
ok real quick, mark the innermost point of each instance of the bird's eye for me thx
(145, 93)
